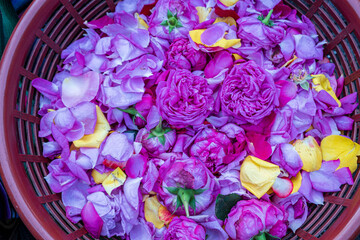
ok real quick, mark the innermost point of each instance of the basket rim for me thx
(19, 193)
(31, 211)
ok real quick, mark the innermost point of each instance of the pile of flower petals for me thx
(202, 119)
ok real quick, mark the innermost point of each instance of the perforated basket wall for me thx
(34, 51)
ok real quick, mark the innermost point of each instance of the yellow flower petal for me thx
(101, 131)
(257, 175)
(310, 153)
(98, 177)
(223, 43)
(228, 20)
(322, 83)
(141, 23)
(114, 180)
(237, 56)
(165, 215)
(203, 13)
(290, 61)
(228, 3)
(338, 147)
(296, 182)
(151, 210)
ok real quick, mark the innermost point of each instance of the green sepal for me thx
(171, 28)
(192, 204)
(178, 24)
(172, 190)
(167, 130)
(270, 237)
(164, 23)
(305, 85)
(150, 136)
(178, 203)
(185, 197)
(162, 140)
(169, 14)
(199, 191)
(132, 111)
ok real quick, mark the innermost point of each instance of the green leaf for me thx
(164, 23)
(199, 191)
(173, 190)
(169, 14)
(261, 236)
(270, 237)
(224, 204)
(305, 85)
(192, 204)
(162, 140)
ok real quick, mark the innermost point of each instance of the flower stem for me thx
(266, 20)
(185, 196)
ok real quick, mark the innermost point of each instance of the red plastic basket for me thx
(34, 50)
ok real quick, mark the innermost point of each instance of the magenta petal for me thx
(77, 89)
(344, 176)
(287, 47)
(323, 182)
(86, 113)
(325, 97)
(287, 91)
(213, 34)
(153, 118)
(61, 140)
(135, 166)
(344, 123)
(258, 146)
(340, 85)
(92, 221)
(100, 23)
(78, 172)
(47, 88)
